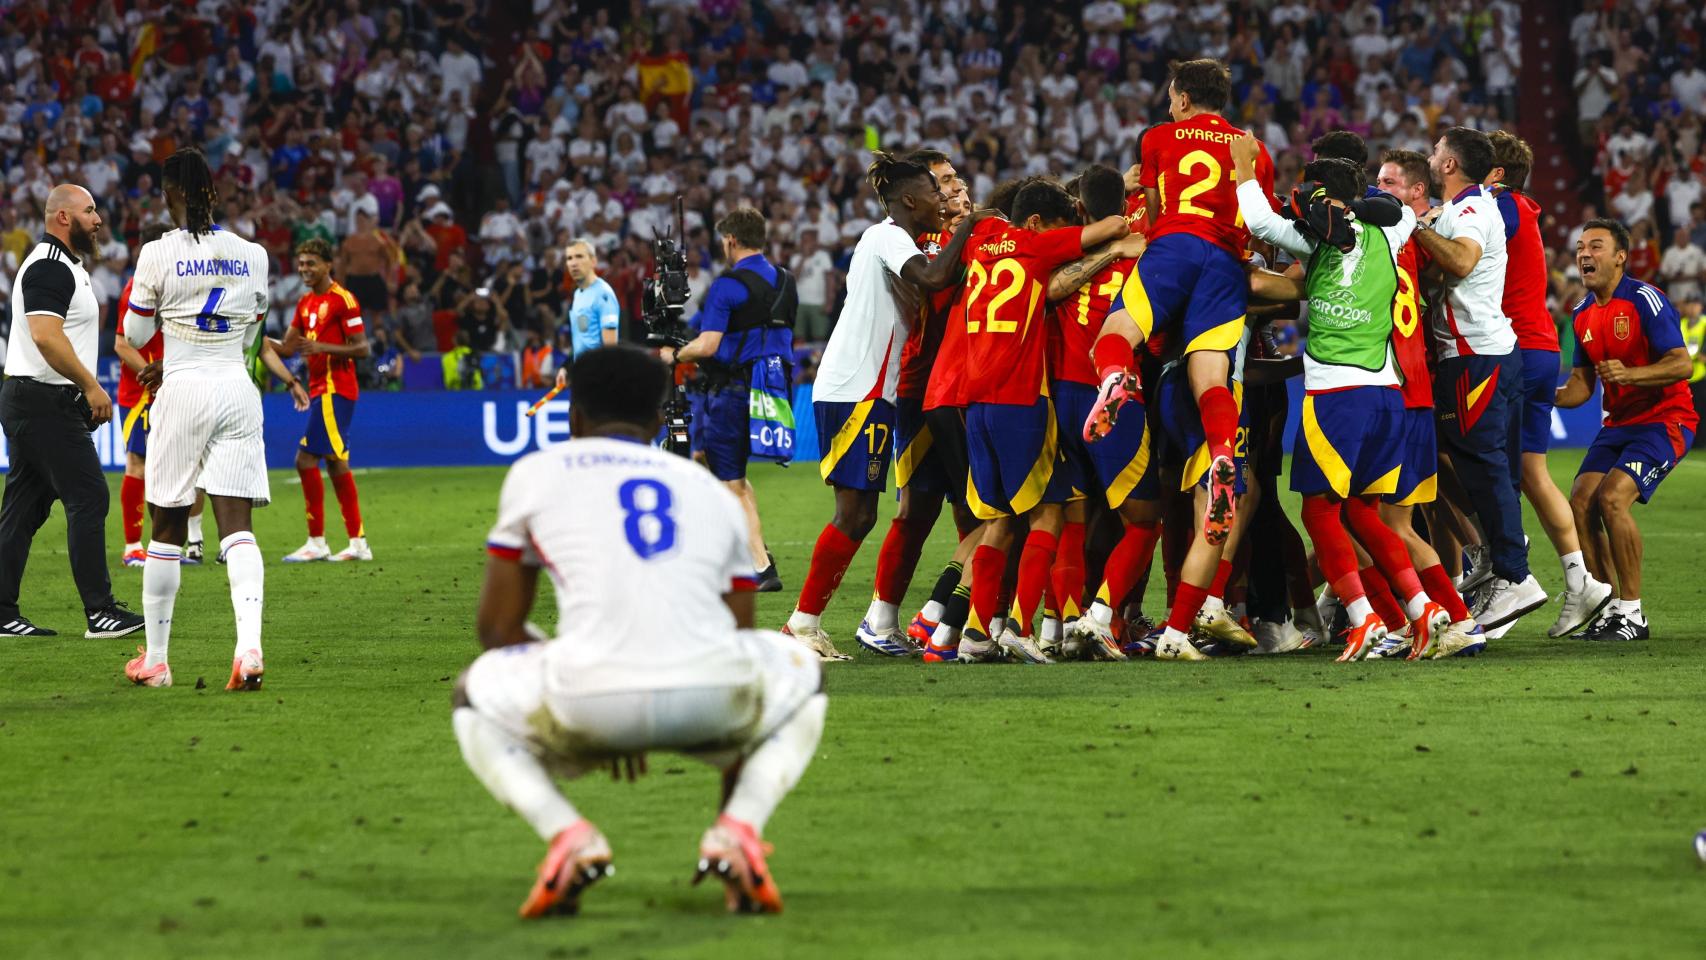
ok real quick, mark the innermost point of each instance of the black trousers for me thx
(52, 458)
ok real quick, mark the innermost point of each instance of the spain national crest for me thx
(1620, 326)
(873, 470)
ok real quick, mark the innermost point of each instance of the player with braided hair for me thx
(856, 388)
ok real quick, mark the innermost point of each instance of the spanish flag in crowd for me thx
(147, 40)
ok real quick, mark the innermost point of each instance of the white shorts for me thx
(579, 733)
(206, 433)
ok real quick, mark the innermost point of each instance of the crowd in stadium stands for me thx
(1640, 92)
(452, 149)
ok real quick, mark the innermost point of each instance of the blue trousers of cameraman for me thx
(720, 429)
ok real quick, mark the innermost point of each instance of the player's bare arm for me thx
(704, 345)
(506, 598)
(743, 605)
(271, 360)
(356, 346)
(1577, 390)
(1276, 288)
(946, 270)
(1673, 367)
(291, 345)
(48, 333)
(1068, 279)
(1455, 257)
(127, 354)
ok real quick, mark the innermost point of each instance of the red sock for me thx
(1186, 605)
(314, 494)
(1385, 547)
(987, 566)
(1219, 419)
(130, 495)
(1067, 577)
(349, 503)
(1034, 564)
(891, 560)
(1441, 591)
(834, 551)
(1112, 354)
(1379, 594)
(1323, 518)
(1128, 561)
(1222, 575)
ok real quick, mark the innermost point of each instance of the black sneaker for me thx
(20, 627)
(769, 581)
(115, 620)
(192, 553)
(1616, 626)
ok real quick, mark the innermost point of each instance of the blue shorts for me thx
(921, 459)
(136, 429)
(1349, 443)
(1418, 478)
(857, 439)
(1013, 451)
(328, 425)
(1647, 452)
(1181, 429)
(720, 430)
(1187, 283)
(1118, 464)
(1539, 386)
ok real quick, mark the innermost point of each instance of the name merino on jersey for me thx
(639, 518)
(207, 291)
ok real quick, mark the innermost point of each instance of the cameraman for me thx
(748, 317)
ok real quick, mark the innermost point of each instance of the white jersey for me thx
(641, 545)
(52, 282)
(1470, 319)
(206, 293)
(862, 359)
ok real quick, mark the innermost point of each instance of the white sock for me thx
(932, 611)
(247, 573)
(1630, 609)
(1575, 571)
(1211, 606)
(1051, 629)
(160, 576)
(777, 764)
(1359, 609)
(1415, 605)
(803, 621)
(195, 528)
(1101, 613)
(882, 616)
(358, 542)
(319, 542)
(944, 636)
(1177, 636)
(512, 773)
(132, 547)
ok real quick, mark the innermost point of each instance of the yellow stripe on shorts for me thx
(844, 438)
(1332, 465)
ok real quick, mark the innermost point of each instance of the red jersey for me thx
(1007, 275)
(919, 352)
(1526, 274)
(1137, 212)
(130, 392)
(947, 387)
(1189, 163)
(1409, 334)
(1637, 326)
(1077, 322)
(330, 317)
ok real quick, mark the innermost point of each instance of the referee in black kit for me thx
(49, 404)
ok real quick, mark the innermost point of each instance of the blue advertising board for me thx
(473, 428)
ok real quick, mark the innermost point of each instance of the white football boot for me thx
(1580, 608)
(314, 549)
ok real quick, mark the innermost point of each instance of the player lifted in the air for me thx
(687, 674)
(206, 289)
(327, 327)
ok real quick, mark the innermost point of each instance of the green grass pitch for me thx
(1535, 802)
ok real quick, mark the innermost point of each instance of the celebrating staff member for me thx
(49, 404)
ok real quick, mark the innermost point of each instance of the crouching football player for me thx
(620, 679)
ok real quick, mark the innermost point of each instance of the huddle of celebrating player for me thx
(1086, 369)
